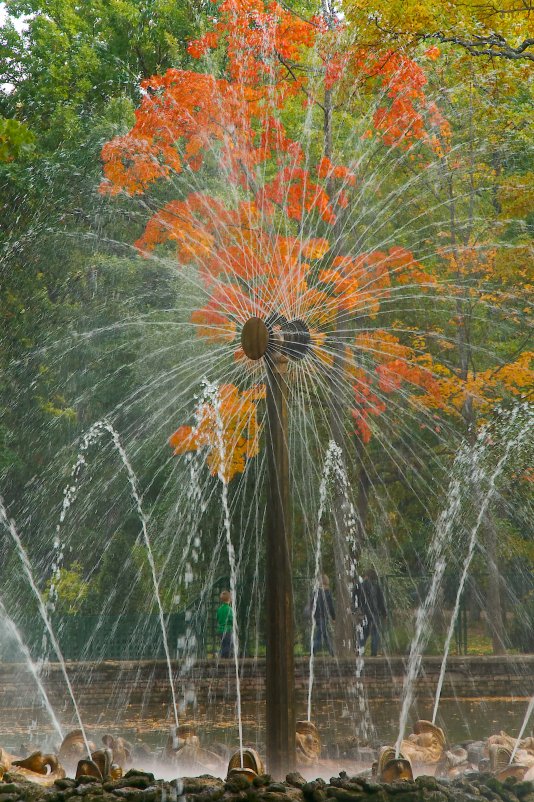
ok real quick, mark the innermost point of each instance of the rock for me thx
(296, 779)
(433, 796)
(238, 782)
(86, 779)
(84, 789)
(135, 781)
(522, 789)
(196, 785)
(488, 792)
(65, 782)
(11, 788)
(344, 794)
(9, 797)
(371, 787)
(407, 796)
(426, 781)
(212, 794)
(275, 796)
(464, 784)
(261, 780)
(138, 773)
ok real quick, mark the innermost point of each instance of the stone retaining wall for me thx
(146, 683)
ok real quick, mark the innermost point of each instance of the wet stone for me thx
(9, 797)
(344, 794)
(86, 779)
(135, 781)
(311, 787)
(11, 788)
(467, 787)
(523, 789)
(196, 785)
(275, 796)
(407, 795)
(211, 794)
(296, 779)
(65, 782)
(429, 795)
(262, 779)
(425, 781)
(138, 773)
(371, 787)
(237, 783)
(84, 789)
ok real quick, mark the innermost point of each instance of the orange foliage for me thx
(406, 116)
(487, 387)
(391, 366)
(228, 430)
(232, 127)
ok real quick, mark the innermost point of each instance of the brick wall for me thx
(145, 683)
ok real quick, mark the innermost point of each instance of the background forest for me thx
(92, 330)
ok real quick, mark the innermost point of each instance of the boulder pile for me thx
(139, 786)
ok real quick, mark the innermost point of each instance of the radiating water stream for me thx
(10, 526)
(334, 472)
(323, 489)
(530, 710)
(513, 442)
(12, 628)
(213, 398)
(105, 425)
(463, 466)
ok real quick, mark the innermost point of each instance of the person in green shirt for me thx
(225, 620)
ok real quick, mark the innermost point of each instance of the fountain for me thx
(332, 322)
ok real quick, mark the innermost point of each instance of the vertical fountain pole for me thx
(275, 344)
(280, 676)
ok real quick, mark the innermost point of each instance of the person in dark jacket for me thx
(373, 608)
(322, 606)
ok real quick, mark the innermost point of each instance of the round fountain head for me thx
(255, 338)
(297, 339)
(273, 335)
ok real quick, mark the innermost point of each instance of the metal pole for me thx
(280, 674)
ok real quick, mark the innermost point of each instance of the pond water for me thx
(462, 719)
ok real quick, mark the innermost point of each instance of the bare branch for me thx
(493, 45)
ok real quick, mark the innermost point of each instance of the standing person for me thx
(324, 613)
(374, 609)
(225, 621)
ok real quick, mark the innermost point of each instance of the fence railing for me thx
(193, 630)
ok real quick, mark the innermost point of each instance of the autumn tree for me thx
(192, 123)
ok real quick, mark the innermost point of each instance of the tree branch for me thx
(493, 45)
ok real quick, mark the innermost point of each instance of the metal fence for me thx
(193, 630)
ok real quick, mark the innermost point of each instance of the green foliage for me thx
(70, 588)
(16, 140)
